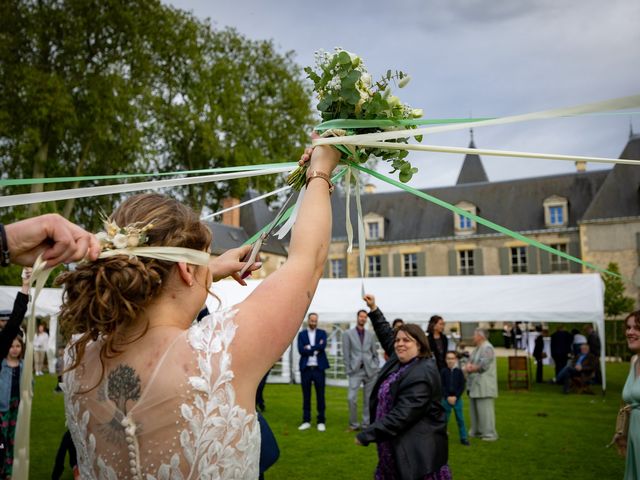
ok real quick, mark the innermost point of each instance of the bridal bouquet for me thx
(346, 91)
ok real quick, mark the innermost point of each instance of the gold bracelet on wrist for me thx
(316, 174)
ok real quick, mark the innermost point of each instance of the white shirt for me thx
(313, 360)
(40, 342)
(579, 339)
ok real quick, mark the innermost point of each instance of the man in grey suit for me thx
(360, 356)
(482, 385)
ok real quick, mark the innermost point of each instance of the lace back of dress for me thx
(179, 421)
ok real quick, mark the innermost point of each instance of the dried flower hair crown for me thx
(114, 237)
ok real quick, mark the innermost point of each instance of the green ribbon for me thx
(241, 168)
(480, 220)
(287, 214)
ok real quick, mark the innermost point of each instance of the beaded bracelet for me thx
(4, 248)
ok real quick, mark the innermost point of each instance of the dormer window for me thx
(556, 213)
(373, 230)
(464, 225)
(373, 226)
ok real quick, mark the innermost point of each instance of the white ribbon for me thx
(38, 279)
(260, 197)
(621, 103)
(54, 195)
(288, 225)
(495, 153)
(362, 241)
(347, 225)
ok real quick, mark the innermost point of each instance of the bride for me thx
(148, 393)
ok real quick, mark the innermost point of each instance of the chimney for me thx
(581, 166)
(232, 217)
(369, 188)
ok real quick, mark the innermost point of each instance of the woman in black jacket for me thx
(409, 425)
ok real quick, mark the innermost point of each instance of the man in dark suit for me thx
(313, 363)
(561, 341)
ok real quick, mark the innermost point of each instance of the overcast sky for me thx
(483, 58)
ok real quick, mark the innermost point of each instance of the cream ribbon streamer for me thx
(362, 241)
(347, 216)
(255, 199)
(621, 103)
(288, 225)
(54, 195)
(39, 278)
(495, 153)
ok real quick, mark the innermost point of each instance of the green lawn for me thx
(543, 435)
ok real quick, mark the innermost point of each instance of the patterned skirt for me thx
(7, 433)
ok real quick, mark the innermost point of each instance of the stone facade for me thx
(586, 214)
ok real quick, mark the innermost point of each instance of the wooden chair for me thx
(581, 384)
(518, 378)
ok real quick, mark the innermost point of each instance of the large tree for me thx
(227, 101)
(94, 87)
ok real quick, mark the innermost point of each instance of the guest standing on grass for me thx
(538, 352)
(438, 341)
(631, 396)
(40, 344)
(360, 355)
(561, 341)
(482, 384)
(313, 363)
(10, 374)
(452, 389)
(408, 419)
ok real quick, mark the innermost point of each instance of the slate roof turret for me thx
(472, 170)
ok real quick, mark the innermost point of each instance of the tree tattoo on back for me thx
(123, 385)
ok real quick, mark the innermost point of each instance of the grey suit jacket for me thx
(484, 383)
(357, 354)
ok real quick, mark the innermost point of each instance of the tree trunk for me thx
(39, 164)
(71, 202)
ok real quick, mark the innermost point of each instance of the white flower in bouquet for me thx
(403, 81)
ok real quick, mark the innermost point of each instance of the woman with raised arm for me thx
(408, 420)
(151, 394)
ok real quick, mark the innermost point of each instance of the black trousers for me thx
(560, 363)
(539, 371)
(316, 376)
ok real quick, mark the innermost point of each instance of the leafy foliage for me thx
(615, 302)
(98, 87)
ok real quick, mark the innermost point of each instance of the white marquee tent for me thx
(567, 298)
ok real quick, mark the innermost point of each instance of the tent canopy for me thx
(566, 298)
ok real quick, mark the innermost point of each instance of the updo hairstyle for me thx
(105, 298)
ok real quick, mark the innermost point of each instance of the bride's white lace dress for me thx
(171, 417)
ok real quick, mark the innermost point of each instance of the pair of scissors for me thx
(250, 258)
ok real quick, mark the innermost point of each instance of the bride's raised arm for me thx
(271, 316)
